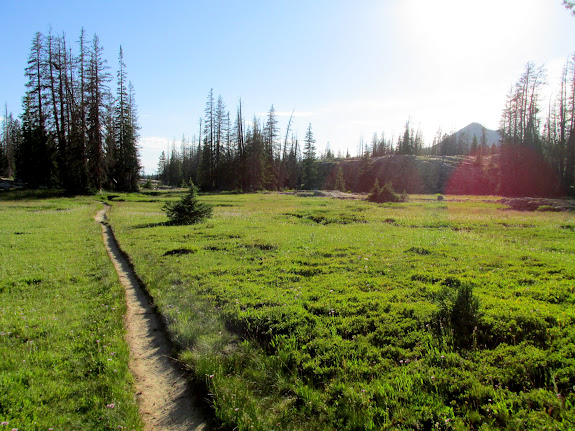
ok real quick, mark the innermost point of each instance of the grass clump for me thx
(188, 210)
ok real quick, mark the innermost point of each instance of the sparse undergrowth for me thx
(64, 358)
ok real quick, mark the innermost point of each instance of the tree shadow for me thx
(148, 225)
(163, 223)
(32, 194)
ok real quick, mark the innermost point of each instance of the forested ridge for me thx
(78, 134)
(535, 155)
(75, 132)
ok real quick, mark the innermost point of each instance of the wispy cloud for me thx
(151, 148)
(296, 114)
(154, 143)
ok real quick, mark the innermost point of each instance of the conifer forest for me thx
(78, 133)
(75, 132)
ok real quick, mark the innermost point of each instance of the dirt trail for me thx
(164, 396)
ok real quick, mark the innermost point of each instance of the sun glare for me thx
(458, 33)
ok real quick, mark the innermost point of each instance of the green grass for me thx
(313, 313)
(64, 358)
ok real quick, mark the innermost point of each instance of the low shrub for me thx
(458, 314)
(384, 194)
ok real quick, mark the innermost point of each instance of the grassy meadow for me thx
(63, 356)
(315, 313)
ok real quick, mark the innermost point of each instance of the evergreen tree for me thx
(255, 158)
(309, 162)
(110, 147)
(406, 144)
(93, 96)
(35, 98)
(126, 132)
(34, 158)
(71, 135)
(271, 154)
(9, 140)
(162, 168)
(239, 167)
(293, 171)
(340, 180)
(521, 148)
(188, 210)
(520, 122)
(206, 169)
(221, 131)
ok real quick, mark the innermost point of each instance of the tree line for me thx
(234, 154)
(230, 155)
(528, 138)
(74, 132)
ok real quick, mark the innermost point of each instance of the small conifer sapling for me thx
(188, 210)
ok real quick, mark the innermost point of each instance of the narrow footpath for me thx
(164, 396)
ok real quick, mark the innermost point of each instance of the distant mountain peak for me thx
(460, 142)
(477, 130)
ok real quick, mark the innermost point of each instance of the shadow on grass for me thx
(148, 225)
(164, 223)
(32, 194)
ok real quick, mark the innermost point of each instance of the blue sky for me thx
(351, 68)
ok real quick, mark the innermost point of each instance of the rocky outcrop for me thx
(406, 173)
(512, 172)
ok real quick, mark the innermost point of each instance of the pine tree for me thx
(188, 210)
(126, 132)
(9, 139)
(271, 132)
(405, 144)
(93, 96)
(71, 135)
(35, 99)
(309, 162)
(520, 122)
(206, 169)
(271, 154)
(34, 158)
(340, 180)
(162, 167)
(521, 149)
(221, 129)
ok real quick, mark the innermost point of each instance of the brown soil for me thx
(164, 396)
